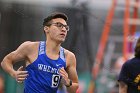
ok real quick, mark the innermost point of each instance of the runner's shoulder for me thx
(29, 44)
(69, 53)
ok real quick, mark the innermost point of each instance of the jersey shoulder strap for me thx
(62, 54)
(41, 47)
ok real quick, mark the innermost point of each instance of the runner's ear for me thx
(46, 28)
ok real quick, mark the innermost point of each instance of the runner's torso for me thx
(44, 72)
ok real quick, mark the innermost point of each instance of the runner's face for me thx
(58, 29)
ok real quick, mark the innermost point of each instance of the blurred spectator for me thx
(117, 68)
(129, 77)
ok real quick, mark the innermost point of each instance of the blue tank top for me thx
(44, 72)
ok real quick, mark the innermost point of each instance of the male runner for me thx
(47, 63)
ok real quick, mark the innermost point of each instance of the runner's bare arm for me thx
(122, 87)
(13, 57)
(70, 74)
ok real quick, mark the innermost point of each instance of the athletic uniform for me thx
(44, 72)
(130, 74)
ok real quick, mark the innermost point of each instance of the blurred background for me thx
(102, 35)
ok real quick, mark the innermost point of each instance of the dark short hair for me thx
(54, 16)
(137, 48)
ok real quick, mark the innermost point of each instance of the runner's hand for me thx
(20, 75)
(65, 80)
